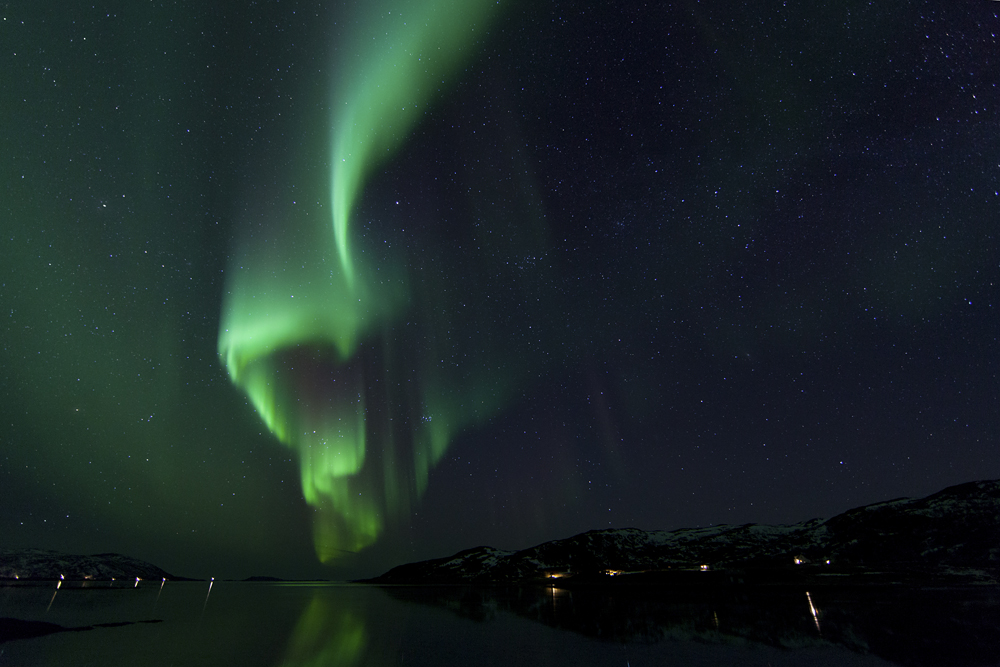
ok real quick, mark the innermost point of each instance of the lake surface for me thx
(272, 624)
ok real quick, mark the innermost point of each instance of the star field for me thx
(698, 264)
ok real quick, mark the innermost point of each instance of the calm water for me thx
(341, 624)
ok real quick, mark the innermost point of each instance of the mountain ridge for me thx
(47, 564)
(953, 530)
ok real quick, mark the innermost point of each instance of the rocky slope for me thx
(957, 529)
(42, 564)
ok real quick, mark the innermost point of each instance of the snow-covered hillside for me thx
(957, 528)
(42, 564)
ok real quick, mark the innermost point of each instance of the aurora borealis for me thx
(299, 282)
(307, 322)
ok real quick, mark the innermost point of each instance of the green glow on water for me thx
(328, 635)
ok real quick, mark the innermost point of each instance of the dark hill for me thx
(956, 530)
(42, 564)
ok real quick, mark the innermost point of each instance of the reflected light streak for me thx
(558, 595)
(53, 598)
(159, 592)
(815, 612)
(210, 584)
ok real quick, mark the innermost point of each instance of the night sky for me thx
(595, 265)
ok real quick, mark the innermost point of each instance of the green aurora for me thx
(299, 310)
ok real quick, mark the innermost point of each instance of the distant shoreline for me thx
(949, 536)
